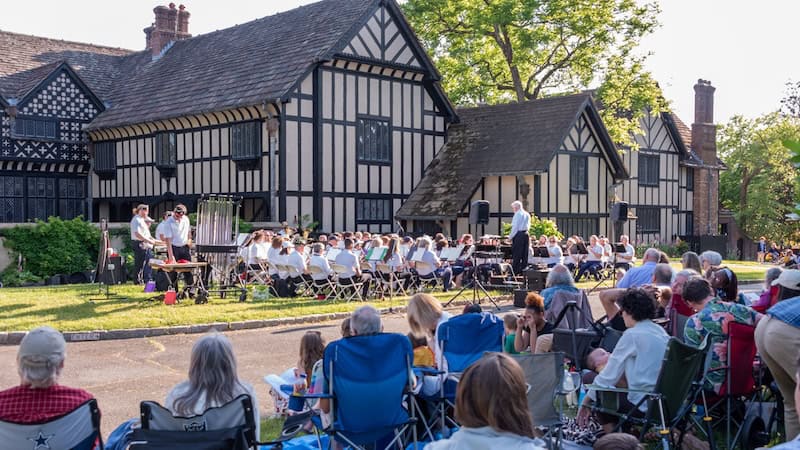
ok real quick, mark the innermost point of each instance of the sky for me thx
(748, 50)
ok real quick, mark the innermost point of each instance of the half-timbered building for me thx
(331, 110)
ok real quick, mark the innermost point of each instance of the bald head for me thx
(652, 255)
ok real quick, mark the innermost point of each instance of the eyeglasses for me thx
(179, 213)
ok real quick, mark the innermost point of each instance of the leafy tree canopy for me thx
(761, 183)
(515, 50)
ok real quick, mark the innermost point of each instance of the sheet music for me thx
(404, 250)
(241, 238)
(376, 254)
(332, 254)
(417, 256)
(451, 253)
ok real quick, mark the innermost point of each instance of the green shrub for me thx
(538, 227)
(11, 277)
(56, 246)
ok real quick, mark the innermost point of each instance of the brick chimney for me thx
(704, 143)
(170, 25)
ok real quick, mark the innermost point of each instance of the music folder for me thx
(451, 253)
(619, 248)
(541, 252)
(376, 254)
(582, 248)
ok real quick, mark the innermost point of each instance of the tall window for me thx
(373, 142)
(12, 198)
(246, 142)
(689, 178)
(166, 153)
(690, 224)
(105, 159)
(581, 226)
(71, 198)
(649, 220)
(373, 210)
(648, 170)
(578, 173)
(41, 197)
(34, 128)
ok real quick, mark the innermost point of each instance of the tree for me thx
(761, 183)
(790, 103)
(515, 50)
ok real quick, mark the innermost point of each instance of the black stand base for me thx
(476, 285)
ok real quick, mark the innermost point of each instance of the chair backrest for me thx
(677, 323)
(338, 268)
(238, 413)
(465, 338)
(76, 430)
(293, 271)
(315, 270)
(422, 265)
(681, 371)
(574, 318)
(368, 377)
(740, 377)
(544, 373)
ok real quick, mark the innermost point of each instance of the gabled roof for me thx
(508, 139)
(245, 65)
(683, 138)
(25, 61)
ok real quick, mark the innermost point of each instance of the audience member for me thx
(510, 325)
(678, 303)
(559, 279)
(711, 319)
(709, 260)
(638, 356)
(312, 346)
(533, 333)
(492, 408)
(724, 282)
(617, 441)
(425, 314)
(213, 380)
(643, 274)
(792, 444)
(663, 257)
(472, 308)
(690, 260)
(778, 340)
(765, 299)
(609, 300)
(39, 397)
(345, 328)
(423, 355)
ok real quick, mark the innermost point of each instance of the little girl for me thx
(423, 355)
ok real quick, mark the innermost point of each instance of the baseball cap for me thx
(42, 342)
(789, 279)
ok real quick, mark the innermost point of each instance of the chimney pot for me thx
(172, 6)
(181, 7)
(170, 25)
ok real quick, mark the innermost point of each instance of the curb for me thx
(15, 337)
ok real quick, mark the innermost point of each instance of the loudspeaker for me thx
(479, 212)
(536, 279)
(619, 212)
(115, 271)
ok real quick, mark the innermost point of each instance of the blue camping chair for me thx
(368, 379)
(463, 340)
(77, 430)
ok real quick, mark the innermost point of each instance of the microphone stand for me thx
(476, 284)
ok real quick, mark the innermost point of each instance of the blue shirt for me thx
(787, 311)
(550, 292)
(638, 276)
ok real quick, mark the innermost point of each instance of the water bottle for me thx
(296, 401)
(569, 388)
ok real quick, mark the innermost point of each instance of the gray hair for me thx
(424, 242)
(317, 248)
(212, 375)
(559, 275)
(365, 320)
(516, 203)
(652, 254)
(662, 274)
(687, 273)
(40, 371)
(713, 258)
(772, 275)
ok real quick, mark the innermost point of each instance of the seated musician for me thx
(333, 242)
(319, 260)
(608, 252)
(460, 266)
(554, 250)
(593, 261)
(296, 258)
(394, 260)
(625, 260)
(273, 256)
(433, 264)
(282, 277)
(573, 258)
(440, 245)
(257, 251)
(347, 258)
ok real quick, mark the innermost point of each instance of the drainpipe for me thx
(273, 125)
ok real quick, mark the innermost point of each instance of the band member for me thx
(177, 236)
(520, 240)
(624, 260)
(142, 243)
(162, 225)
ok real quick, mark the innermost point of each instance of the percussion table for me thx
(195, 268)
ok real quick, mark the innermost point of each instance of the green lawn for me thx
(81, 308)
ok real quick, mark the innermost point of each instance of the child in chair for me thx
(423, 355)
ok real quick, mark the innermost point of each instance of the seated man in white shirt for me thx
(295, 257)
(625, 260)
(432, 264)
(556, 254)
(317, 260)
(348, 259)
(593, 261)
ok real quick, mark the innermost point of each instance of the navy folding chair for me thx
(463, 340)
(368, 379)
(76, 430)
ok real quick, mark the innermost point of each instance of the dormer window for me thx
(34, 128)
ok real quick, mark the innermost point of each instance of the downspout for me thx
(273, 125)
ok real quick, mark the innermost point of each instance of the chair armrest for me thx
(595, 387)
(313, 396)
(423, 370)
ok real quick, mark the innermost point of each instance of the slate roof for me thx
(25, 61)
(245, 65)
(508, 139)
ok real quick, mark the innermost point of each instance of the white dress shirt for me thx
(347, 259)
(638, 355)
(177, 231)
(321, 262)
(138, 224)
(160, 229)
(256, 252)
(520, 222)
(596, 249)
(273, 256)
(297, 260)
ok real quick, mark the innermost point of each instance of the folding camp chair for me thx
(76, 430)
(677, 323)
(670, 402)
(736, 403)
(575, 331)
(369, 378)
(303, 288)
(544, 373)
(462, 340)
(230, 426)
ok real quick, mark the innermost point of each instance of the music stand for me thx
(103, 264)
(476, 284)
(541, 252)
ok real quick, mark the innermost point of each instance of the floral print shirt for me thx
(713, 320)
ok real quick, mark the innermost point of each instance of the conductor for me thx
(520, 240)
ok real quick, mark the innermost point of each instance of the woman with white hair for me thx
(212, 382)
(559, 279)
(39, 398)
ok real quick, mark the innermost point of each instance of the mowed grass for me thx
(84, 308)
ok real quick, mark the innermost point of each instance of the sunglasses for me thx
(179, 213)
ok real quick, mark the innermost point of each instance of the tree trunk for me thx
(502, 39)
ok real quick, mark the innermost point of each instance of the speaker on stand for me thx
(619, 215)
(479, 212)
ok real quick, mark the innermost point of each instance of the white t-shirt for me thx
(177, 231)
(628, 256)
(597, 248)
(556, 256)
(349, 261)
(297, 260)
(138, 224)
(273, 256)
(256, 252)
(160, 229)
(200, 407)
